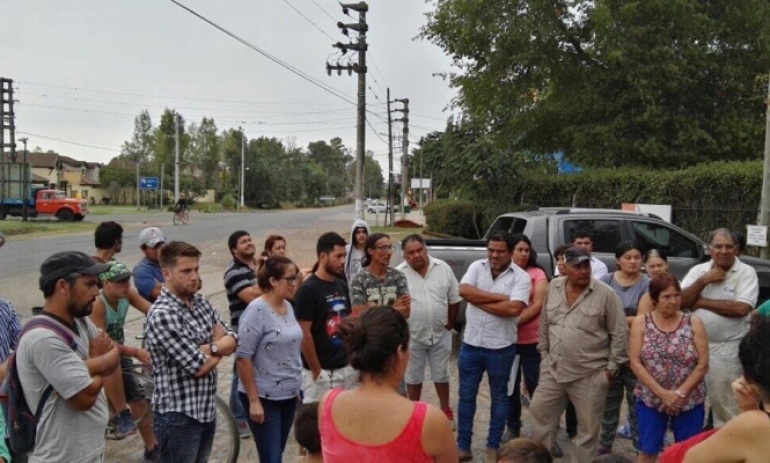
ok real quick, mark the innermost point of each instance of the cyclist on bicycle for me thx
(109, 313)
(181, 205)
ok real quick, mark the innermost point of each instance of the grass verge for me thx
(38, 228)
(397, 233)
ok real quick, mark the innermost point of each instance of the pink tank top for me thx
(406, 447)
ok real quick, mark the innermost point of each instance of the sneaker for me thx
(451, 417)
(243, 430)
(624, 431)
(124, 425)
(152, 456)
(510, 434)
(556, 450)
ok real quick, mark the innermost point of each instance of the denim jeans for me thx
(529, 366)
(472, 363)
(272, 434)
(183, 439)
(235, 402)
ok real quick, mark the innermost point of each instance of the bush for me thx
(456, 218)
(228, 202)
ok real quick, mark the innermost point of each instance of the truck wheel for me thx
(79, 218)
(65, 215)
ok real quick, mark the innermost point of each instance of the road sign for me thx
(149, 183)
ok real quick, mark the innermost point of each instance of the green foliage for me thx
(611, 83)
(456, 218)
(229, 203)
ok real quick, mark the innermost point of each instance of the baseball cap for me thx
(575, 255)
(117, 272)
(66, 263)
(150, 237)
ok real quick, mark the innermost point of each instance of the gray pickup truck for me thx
(548, 228)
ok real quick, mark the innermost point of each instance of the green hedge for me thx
(703, 197)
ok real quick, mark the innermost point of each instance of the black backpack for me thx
(20, 422)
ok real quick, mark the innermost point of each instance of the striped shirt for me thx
(174, 333)
(238, 277)
(9, 337)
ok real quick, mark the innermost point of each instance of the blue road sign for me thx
(149, 183)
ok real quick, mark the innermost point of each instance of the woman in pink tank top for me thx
(373, 422)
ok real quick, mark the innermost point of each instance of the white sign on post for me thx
(756, 235)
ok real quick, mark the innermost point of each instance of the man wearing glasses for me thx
(497, 291)
(378, 283)
(722, 293)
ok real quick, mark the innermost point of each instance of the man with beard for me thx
(320, 304)
(186, 339)
(71, 427)
(497, 290)
(241, 288)
(108, 240)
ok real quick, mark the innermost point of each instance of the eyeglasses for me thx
(384, 247)
(292, 280)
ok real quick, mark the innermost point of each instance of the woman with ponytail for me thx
(374, 422)
(268, 358)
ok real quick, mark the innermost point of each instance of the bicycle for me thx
(182, 217)
(227, 440)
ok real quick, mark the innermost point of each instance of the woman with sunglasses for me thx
(268, 358)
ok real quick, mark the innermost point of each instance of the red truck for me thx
(46, 202)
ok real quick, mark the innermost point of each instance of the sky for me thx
(83, 69)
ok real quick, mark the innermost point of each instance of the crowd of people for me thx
(339, 352)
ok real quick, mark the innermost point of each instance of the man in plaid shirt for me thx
(186, 339)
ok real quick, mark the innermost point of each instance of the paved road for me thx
(20, 259)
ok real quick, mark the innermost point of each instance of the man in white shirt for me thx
(497, 291)
(722, 293)
(435, 301)
(584, 239)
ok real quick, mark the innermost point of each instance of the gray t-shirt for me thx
(629, 295)
(366, 288)
(354, 266)
(273, 344)
(64, 434)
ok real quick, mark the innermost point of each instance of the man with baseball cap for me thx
(71, 427)
(583, 342)
(148, 277)
(122, 390)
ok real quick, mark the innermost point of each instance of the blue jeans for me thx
(235, 402)
(472, 363)
(183, 439)
(654, 424)
(529, 366)
(272, 434)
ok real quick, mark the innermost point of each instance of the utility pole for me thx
(360, 69)
(764, 212)
(391, 197)
(24, 184)
(162, 169)
(404, 154)
(176, 157)
(138, 191)
(243, 172)
(7, 137)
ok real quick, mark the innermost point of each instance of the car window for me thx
(657, 235)
(512, 225)
(606, 234)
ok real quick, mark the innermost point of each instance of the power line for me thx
(379, 72)
(324, 10)
(309, 20)
(67, 141)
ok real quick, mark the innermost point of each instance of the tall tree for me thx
(205, 151)
(165, 144)
(140, 147)
(662, 83)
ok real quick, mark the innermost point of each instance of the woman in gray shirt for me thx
(268, 358)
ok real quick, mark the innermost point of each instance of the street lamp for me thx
(24, 183)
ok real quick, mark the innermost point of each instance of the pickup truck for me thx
(44, 202)
(548, 228)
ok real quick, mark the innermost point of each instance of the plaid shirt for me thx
(174, 333)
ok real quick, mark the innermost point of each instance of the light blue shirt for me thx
(482, 329)
(273, 344)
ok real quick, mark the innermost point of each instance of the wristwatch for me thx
(214, 349)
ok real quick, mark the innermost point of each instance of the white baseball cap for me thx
(151, 237)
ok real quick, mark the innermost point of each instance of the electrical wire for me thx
(308, 20)
(68, 141)
(324, 10)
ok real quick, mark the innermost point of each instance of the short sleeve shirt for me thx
(63, 433)
(528, 333)
(146, 275)
(430, 299)
(482, 329)
(740, 285)
(238, 277)
(367, 288)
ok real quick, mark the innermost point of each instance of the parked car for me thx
(46, 202)
(548, 228)
(376, 207)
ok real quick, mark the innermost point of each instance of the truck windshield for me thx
(512, 225)
(60, 195)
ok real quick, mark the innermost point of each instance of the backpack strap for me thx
(41, 321)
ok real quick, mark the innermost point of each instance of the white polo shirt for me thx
(430, 299)
(482, 329)
(598, 268)
(740, 285)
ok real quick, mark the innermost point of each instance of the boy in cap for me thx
(71, 427)
(109, 314)
(147, 274)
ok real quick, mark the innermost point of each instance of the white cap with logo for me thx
(151, 237)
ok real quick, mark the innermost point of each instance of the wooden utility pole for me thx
(405, 183)
(391, 192)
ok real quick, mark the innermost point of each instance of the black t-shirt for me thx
(324, 304)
